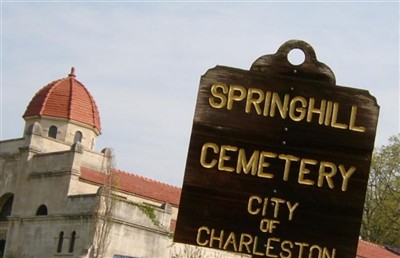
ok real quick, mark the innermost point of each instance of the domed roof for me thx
(65, 98)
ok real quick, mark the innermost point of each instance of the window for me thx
(72, 242)
(53, 131)
(5, 211)
(42, 210)
(60, 242)
(2, 247)
(78, 137)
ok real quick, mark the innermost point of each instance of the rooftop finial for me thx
(72, 72)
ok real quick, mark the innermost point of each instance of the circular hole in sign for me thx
(296, 56)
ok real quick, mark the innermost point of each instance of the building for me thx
(59, 197)
(53, 183)
(369, 250)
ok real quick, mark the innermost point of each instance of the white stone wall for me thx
(66, 130)
(38, 236)
(139, 230)
(11, 147)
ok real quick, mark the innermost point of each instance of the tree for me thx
(105, 207)
(381, 219)
(190, 251)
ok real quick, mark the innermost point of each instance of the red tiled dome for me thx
(65, 98)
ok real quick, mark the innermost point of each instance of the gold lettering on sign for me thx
(296, 112)
(270, 206)
(296, 108)
(218, 91)
(309, 172)
(304, 171)
(323, 174)
(335, 113)
(224, 156)
(264, 164)
(235, 93)
(253, 245)
(353, 125)
(204, 149)
(254, 102)
(247, 165)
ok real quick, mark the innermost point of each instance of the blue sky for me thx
(142, 62)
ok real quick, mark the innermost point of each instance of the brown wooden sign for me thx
(278, 160)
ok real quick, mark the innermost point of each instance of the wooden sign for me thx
(278, 160)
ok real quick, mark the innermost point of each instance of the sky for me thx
(142, 62)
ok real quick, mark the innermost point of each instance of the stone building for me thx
(54, 187)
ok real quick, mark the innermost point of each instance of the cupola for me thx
(66, 110)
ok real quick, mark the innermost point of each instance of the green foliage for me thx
(149, 212)
(381, 220)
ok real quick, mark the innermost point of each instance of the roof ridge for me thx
(137, 185)
(71, 92)
(370, 243)
(146, 178)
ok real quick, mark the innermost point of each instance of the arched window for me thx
(2, 247)
(72, 242)
(53, 131)
(60, 242)
(42, 210)
(78, 137)
(5, 210)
